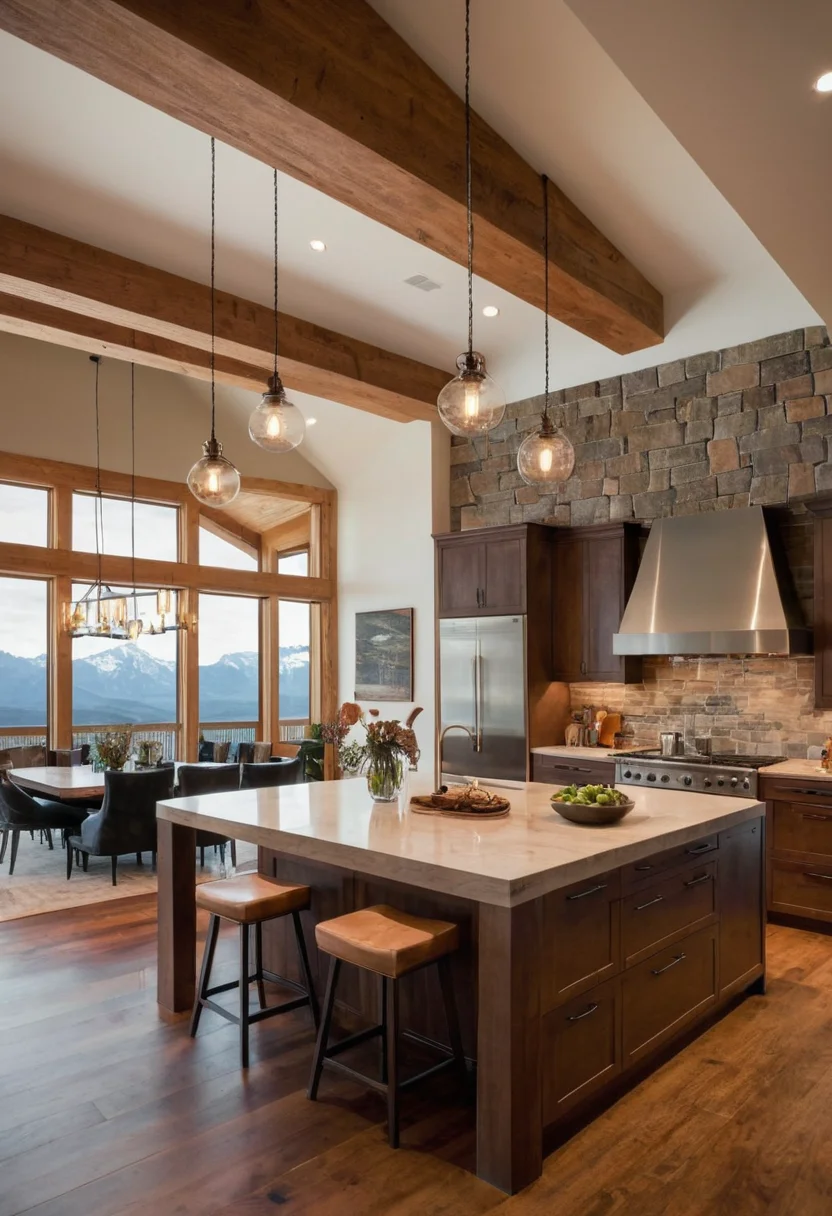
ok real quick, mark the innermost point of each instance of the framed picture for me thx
(384, 655)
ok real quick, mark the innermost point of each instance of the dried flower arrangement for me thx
(112, 747)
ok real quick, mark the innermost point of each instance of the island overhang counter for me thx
(585, 949)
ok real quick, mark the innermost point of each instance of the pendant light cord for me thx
(544, 179)
(275, 273)
(213, 260)
(468, 186)
(133, 483)
(99, 504)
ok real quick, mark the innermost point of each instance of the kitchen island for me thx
(585, 950)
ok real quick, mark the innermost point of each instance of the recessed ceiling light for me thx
(318, 246)
(491, 310)
(311, 421)
(823, 84)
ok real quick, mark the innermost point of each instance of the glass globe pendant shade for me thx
(545, 457)
(472, 403)
(213, 480)
(276, 424)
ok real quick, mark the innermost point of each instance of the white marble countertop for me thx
(809, 769)
(575, 753)
(501, 861)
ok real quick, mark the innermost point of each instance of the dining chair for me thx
(274, 772)
(198, 779)
(126, 822)
(20, 812)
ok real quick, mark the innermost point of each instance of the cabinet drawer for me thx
(581, 938)
(553, 770)
(580, 1048)
(801, 888)
(641, 873)
(811, 792)
(653, 914)
(802, 828)
(667, 991)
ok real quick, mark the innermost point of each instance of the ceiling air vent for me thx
(422, 282)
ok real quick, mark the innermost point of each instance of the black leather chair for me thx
(200, 779)
(20, 812)
(126, 822)
(273, 772)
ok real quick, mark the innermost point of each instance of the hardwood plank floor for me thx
(107, 1110)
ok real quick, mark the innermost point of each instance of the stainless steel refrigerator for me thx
(482, 698)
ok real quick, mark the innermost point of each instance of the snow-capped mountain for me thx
(127, 684)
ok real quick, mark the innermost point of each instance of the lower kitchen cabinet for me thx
(581, 1043)
(741, 923)
(799, 847)
(581, 935)
(667, 991)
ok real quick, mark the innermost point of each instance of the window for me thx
(24, 515)
(117, 682)
(156, 529)
(294, 631)
(229, 658)
(23, 645)
(216, 550)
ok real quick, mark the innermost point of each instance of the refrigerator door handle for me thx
(478, 705)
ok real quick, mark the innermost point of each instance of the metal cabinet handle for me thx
(602, 886)
(812, 793)
(694, 882)
(479, 597)
(658, 900)
(661, 970)
(813, 874)
(699, 848)
(822, 818)
(583, 667)
(647, 867)
(578, 1017)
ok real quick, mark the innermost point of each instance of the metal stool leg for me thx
(323, 1029)
(392, 1063)
(305, 969)
(205, 971)
(258, 961)
(244, 982)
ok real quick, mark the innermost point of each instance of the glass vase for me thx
(386, 776)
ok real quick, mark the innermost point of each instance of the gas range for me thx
(718, 774)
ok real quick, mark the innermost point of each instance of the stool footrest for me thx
(354, 1074)
(360, 1036)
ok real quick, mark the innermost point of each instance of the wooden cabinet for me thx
(594, 569)
(492, 571)
(580, 936)
(799, 847)
(581, 1042)
(741, 920)
(663, 911)
(821, 508)
(560, 770)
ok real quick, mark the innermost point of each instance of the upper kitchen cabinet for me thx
(492, 571)
(594, 569)
(821, 508)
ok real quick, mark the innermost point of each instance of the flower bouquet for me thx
(112, 747)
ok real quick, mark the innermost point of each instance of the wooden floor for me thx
(106, 1110)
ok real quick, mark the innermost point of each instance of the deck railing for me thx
(292, 730)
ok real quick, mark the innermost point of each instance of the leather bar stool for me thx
(246, 900)
(391, 944)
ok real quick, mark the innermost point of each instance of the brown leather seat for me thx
(385, 940)
(249, 898)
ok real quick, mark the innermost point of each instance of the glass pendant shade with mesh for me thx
(472, 403)
(545, 457)
(213, 480)
(276, 424)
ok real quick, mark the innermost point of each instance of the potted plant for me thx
(389, 751)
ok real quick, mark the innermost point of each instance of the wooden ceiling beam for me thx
(326, 91)
(78, 295)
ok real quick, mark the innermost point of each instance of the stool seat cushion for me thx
(249, 898)
(386, 941)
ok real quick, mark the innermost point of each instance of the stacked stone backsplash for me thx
(749, 424)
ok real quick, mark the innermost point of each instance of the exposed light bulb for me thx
(276, 424)
(273, 427)
(213, 480)
(471, 403)
(544, 460)
(472, 399)
(546, 457)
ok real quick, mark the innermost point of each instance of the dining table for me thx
(65, 784)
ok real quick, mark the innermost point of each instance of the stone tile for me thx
(530, 405)
(805, 407)
(580, 391)
(528, 422)
(634, 483)
(485, 483)
(498, 464)
(507, 427)
(818, 426)
(823, 476)
(671, 373)
(632, 462)
(823, 381)
(610, 387)
(770, 415)
(654, 506)
(731, 379)
(696, 491)
(736, 482)
(723, 455)
(813, 449)
(695, 409)
(700, 365)
(821, 358)
(536, 513)
(757, 398)
(729, 403)
(696, 431)
(660, 479)
(590, 511)
(621, 507)
(684, 473)
(668, 458)
(560, 515)
(592, 470)
(526, 496)
(772, 489)
(461, 493)
(598, 426)
(764, 348)
(775, 460)
(625, 421)
(774, 437)
(465, 453)
(801, 480)
(511, 481)
(784, 368)
(639, 382)
(816, 335)
(588, 406)
(663, 435)
(599, 449)
(610, 486)
(656, 399)
(798, 386)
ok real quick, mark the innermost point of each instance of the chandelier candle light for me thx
(471, 403)
(276, 424)
(213, 480)
(545, 457)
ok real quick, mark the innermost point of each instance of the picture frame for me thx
(384, 655)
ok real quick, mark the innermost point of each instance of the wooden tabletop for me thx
(79, 781)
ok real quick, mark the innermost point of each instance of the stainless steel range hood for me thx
(712, 584)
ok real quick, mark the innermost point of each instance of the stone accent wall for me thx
(749, 424)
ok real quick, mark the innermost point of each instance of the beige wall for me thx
(47, 410)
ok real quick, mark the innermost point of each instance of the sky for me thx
(226, 623)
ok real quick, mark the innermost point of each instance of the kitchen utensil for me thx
(610, 727)
(670, 743)
(573, 735)
(702, 744)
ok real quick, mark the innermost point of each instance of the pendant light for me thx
(545, 457)
(276, 424)
(213, 480)
(134, 624)
(471, 403)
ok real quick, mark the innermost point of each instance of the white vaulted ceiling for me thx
(79, 157)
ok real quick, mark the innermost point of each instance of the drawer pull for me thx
(602, 886)
(812, 874)
(578, 1017)
(658, 900)
(822, 818)
(649, 866)
(694, 882)
(812, 793)
(699, 848)
(661, 970)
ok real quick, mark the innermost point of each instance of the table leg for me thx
(509, 1118)
(176, 876)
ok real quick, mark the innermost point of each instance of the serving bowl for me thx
(591, 813)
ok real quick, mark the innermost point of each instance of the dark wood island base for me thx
(565, 997)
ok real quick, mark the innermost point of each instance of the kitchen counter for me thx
(576, 753)
(558, 923)
(809, 769)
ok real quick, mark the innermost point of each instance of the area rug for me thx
(39, 883)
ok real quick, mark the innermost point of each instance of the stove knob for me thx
(688, 780)
(720, 781)
(651, 776)
(665, 778)
(707, 781)
(734, 782)
(637, 777)
(628, 774)
(746, 785)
